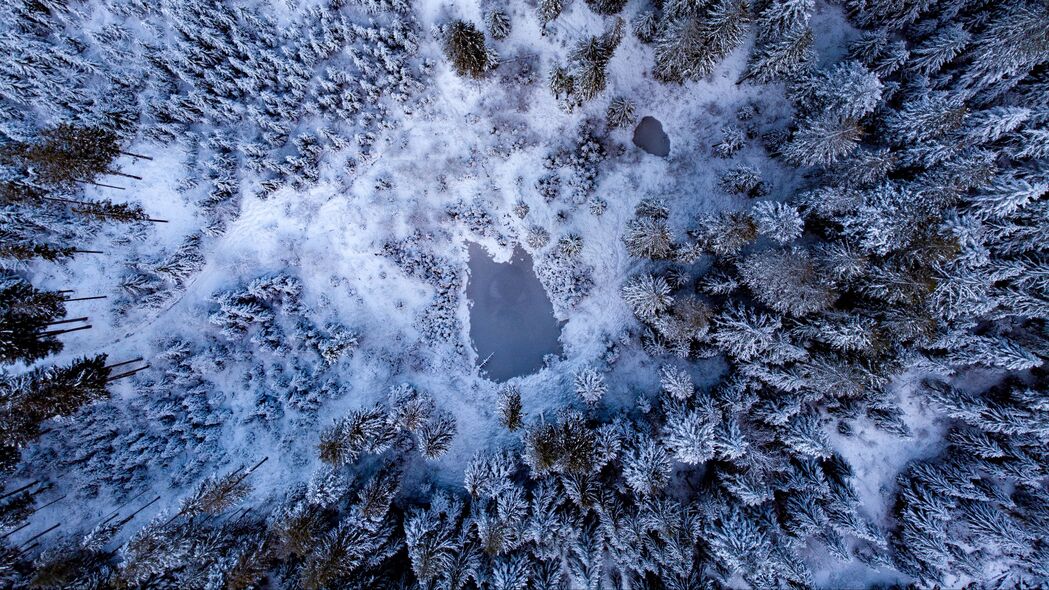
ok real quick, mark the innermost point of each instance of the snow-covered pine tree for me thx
(465, 49)
(692, 44)
(498, 23)
(511, 410)
(620, 113)
(590, 385)
(647, 295)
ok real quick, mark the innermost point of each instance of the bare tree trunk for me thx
(70, 321)
(56, 500)
(40, 534)
(127, 374)
(24, 525)
(114, 172)
(66, 331)
(135, 360)
(88, 252)
(87, 298)
(21, 489)
(114, 513)
(119, 188)
(137, 155)
(128, 518)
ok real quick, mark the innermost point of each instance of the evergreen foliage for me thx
(465, 48)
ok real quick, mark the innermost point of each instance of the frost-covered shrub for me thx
(521, 209)
(743, 180)
(409, 409)
(537, 237)
(585, 76)
(606, 7)
(779, 221)
(436, 435)
(510, 408)
(570, 246)
(620, 112)
(362, 432)
(689, 435)
(647, 467)
(548, 10)
(646, 26)
(788, 281)
(693, 38)
(648, 237)
(498, 23)
(597, 206)
(727, 233)
(590, 385)
(676, 382)
(732, 141)
(647, 295)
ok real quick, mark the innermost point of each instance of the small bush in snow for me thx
(620, 112)
(590, 385)
(498, 24)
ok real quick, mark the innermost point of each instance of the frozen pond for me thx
(650, 137)
(512, 322)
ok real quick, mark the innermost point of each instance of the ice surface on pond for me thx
(650, 137)
(512, 322)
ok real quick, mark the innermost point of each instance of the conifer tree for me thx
(692, 44)
(67, 154)
(498, 24)
(30, 399)
(25, 314)
(511, 411)
(464, 46)
(590, 385)
(620, 112)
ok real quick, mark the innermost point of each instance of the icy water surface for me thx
(650, 137)
(512, 322)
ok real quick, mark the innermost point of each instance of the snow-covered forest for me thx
(802, 339)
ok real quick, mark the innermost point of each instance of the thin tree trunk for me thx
(127, 374)
(41, 534)
(88, 252)
(259, 464)
(61, 200)
(35, 510)
(137, 155)
(70, 321)
(66, 331)
(24, 525)
(87, 298)
(135, 360)
(114, 513)
(128, 518)
(119, 188)
(21, 489)
(156, 220)
(114, 172)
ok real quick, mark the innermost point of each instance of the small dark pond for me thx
(512, 322)
(650, 137)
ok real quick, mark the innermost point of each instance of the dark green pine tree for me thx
(28, 400)
(111, 211)
(465, 48)
(25, 313)
(66, 154)
(29, 250)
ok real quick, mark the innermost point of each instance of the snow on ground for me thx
(470, 142)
